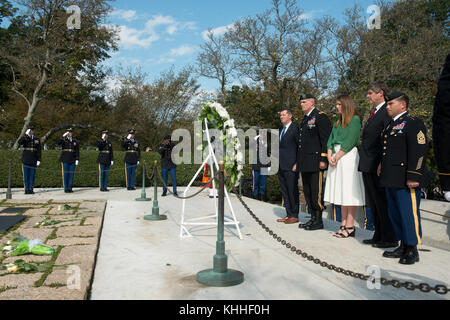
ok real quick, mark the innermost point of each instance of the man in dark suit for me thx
(287, 173)
(70, 157)
(105, 160)
(441, 129)
(401, 172)
(31, 158)
(370, 157)
(312, 158)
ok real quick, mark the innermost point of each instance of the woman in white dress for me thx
(344, 185)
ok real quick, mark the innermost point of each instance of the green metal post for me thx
(8, 192)
(220, 275)
(155, 216)
(143, 194)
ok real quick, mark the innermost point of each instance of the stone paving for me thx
(67, 274)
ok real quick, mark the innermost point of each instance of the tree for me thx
(45, 54)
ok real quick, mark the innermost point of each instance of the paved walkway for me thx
(139, 259)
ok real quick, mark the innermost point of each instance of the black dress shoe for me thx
(382, 244)
(27, 192)
(133, 188)
(303, 225)
(316, 223)
(31, 192)
(411, 255)
(397, 253)
(106, 190)
(370, 241)
(164, 194)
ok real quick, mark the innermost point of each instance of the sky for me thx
(158, 35)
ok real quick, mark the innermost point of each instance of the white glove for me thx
(28, 132)
(38, 163)
(65, 134)
(447, 195)
(76, 162)
(129, 137)
(103, 136)
(112, 162)
(138, 163)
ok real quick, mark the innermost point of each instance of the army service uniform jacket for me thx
(132, 151)
(31, 150)
(404, 152)
(70, 150)
(105, 155)
(314, 132)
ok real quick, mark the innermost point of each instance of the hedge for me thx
(86, 174)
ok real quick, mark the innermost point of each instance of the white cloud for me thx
(128, 15)
(131, 38)
(217, 31)
(182, 51)
(153, 30)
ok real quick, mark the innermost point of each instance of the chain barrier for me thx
(423, 287)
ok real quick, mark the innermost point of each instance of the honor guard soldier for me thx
(401, 173)
(441, 129)
(105, 160)
(312, 158)
(132, 156)
(31, 158)
(70, 157)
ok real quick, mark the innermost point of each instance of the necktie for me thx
(373, 113)
(282, 133)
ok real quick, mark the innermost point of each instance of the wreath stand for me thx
(184, 233)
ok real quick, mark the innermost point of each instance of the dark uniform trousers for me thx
(403, 159)
(370, 157)
(132, 156)
(104, 162)
(314, 132)
(70, 153)
(31, 154)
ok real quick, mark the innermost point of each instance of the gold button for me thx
(384, 154)
(385, 136)
(385, 148)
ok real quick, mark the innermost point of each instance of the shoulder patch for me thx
(421, 139)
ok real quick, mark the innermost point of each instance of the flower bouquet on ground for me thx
(19, 245)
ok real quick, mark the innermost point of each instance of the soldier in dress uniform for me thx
(132, 156)
(70, 157)
(31, 158)
(312, 158)
(441, 128)
(401, 173)
(105, 160)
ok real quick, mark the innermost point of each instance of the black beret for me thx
(305, 96)
(394, 95)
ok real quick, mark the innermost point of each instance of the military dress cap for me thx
(31, 128)
(131, 131)
(394, 95)
(70, 130)
(105, 132)
(305, 96)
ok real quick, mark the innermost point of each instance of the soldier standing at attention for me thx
(105, 160)
(132, 156)
(401, 173)
(31, 158)
(312, 158)
(69, 159)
